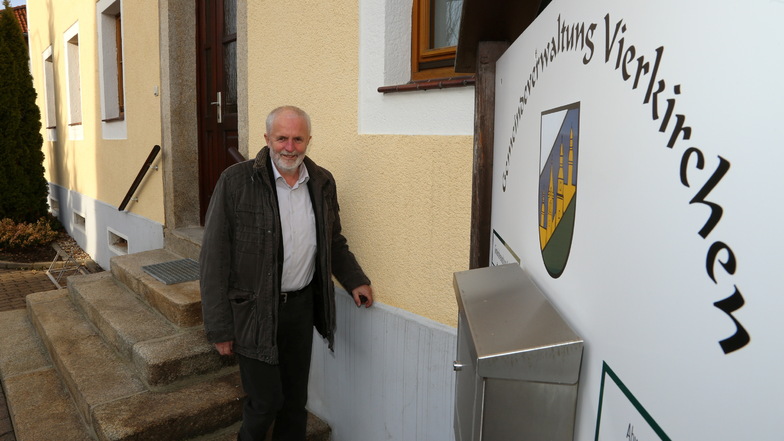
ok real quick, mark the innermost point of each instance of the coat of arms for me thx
(558, 152)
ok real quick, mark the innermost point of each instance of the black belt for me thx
(284, 296)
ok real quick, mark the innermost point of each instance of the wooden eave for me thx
(491, 20)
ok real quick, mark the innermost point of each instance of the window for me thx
(118, 45)
(117, 242)
(50, 115)
(79, 221)
(73, 78)
(54, 205)
(110, 55)
(434, 30)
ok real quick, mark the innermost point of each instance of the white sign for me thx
(637, 178)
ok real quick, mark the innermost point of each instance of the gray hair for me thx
(274, 114)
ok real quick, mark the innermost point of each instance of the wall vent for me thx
(118, 243)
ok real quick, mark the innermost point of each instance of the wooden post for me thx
(488, 53)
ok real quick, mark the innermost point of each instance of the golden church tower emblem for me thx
(558, 152)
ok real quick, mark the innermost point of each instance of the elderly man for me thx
(272, 241)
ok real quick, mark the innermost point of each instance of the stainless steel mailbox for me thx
(518, 361)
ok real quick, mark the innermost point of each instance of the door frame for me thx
(179, 108)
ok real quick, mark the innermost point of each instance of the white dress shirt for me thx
(298, 228)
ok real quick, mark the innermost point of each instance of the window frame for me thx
(119, 48)
(427, 63)
(111, 66)
(73, 75)
(50, 100)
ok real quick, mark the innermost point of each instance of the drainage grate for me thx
(176, 271)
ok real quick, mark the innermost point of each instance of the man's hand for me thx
(363, 294)
(225, 348)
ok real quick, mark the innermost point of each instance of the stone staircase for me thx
(119, 356)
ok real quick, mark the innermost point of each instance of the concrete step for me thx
(112, 398)
(42, 410)
(33, 391)
(91, 371)
(317, 430)
(184, 241)
(119, 316)
(161, 352)
(174, 415)
(101, 361)
(180, 303)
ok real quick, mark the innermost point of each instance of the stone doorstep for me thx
(42, 410)
(317, 430)
(162, 353)
(118, 315)
(180, 303)
(114, 401)
(34, 393)
(91, 371)
(184, 241)
(182, 411)
(175, 415)
(21, 350)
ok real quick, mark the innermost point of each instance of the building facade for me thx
(116, 78)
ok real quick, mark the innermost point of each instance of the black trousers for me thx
(279, 393)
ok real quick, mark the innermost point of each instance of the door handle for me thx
(457, 366)
(218, 103)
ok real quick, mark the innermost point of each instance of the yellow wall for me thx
(98, 168)
(405, 200)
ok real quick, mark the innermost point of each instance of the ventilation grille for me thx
(176, 271)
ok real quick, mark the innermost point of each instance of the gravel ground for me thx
(69, 245)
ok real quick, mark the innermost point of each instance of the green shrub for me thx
(16, 236)
(23, 187)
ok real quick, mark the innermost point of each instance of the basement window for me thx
(79, 221)
(118, 243)
(54, 206)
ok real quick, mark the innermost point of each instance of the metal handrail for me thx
(147, 164)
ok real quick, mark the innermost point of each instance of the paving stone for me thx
(15, 284)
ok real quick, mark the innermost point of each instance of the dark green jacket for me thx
(241, 258)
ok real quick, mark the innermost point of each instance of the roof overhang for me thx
(492, 20)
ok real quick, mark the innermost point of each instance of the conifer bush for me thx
(23, 188)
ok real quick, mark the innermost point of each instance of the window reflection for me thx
(446, 22)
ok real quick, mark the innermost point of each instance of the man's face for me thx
(288, 141)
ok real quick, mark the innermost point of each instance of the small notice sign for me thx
(621, 416)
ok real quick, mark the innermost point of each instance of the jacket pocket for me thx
(252, 227)
(243, 308)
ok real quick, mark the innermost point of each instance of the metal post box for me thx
(518, 361)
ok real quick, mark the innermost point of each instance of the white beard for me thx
(283, 164)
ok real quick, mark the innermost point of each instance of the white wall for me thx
(390, 377)
(142, 234)
(384, 60)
